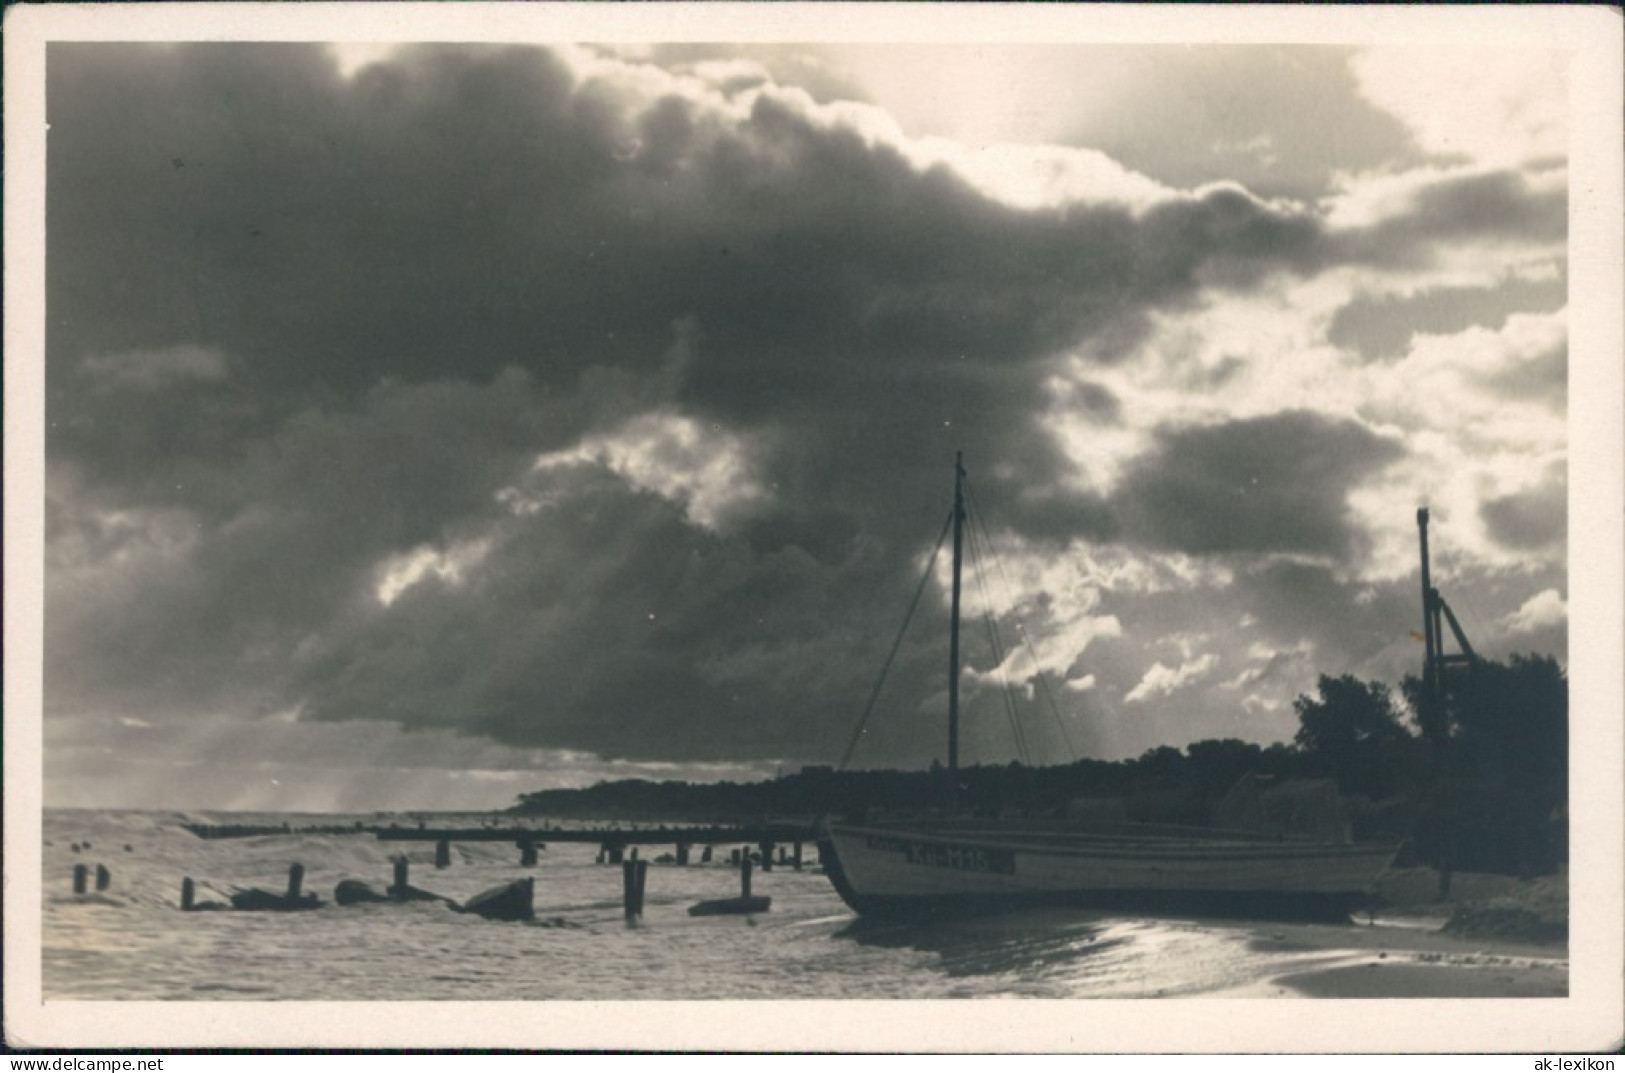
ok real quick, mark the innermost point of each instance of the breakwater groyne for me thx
(261, 830)
(694, 834)
(700, 834)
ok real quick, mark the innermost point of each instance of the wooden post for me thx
(767, 856)
(296, 879)
(399, 889)
(104, 878)
(705, 854)
(617, 854)
(733, 858)
(634, 853)
(603, 852)
(682, 854)
(797, 860)
(81, 873)
(634, 874)
(188, 894)
(442, 854)
(527, 853)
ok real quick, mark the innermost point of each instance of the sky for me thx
(431, 424)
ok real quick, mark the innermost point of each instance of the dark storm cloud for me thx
(188, 586)
(425, 217)
(1382, 326)
(1494, 206)
(400, 290)
(1531, 520)
(1290, 601)
(1503, 203)
(1269, 484)
(453, 212)
(606, 622)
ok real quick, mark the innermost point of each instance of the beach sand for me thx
(1376, 980)
(1416, 946)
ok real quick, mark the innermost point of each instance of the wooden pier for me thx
(711, 835)
(613, 842)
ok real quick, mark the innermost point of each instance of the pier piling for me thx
(296, 879)
(527, 853)
(442, 853)
(188, 894)
(634, 879)
(796, 861)
(81, 875)
(705, 854)
(744, 876)
(767, 856)
(104, 878)
(401, 866)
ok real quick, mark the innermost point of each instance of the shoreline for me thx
(1389, 960)
(1417, 946)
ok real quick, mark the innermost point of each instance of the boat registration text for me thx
(960, 858)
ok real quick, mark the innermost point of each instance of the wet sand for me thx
(1409, 980)
(1407, 957)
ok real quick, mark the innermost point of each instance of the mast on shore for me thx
(1435, 614)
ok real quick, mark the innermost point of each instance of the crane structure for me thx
(1438, 665)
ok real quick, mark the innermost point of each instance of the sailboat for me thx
(958, 865)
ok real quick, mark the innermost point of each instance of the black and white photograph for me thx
(799, 504)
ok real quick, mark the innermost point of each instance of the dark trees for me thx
(1503, 777)
(1349, 714)
(1353, 728)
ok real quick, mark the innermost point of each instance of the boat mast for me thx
(953, 642)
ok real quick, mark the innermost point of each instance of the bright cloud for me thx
(450, 565)
(1488, 104)
(1545, 608)
(705, 469)
(1162, 680)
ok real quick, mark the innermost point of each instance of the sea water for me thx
(133, 942)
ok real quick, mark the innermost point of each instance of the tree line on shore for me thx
(1475, 779)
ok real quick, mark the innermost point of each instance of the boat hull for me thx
(885, 871)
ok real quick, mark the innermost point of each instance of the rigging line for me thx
(868, 709)
(1007, 694)
(1011, 709)
(997, 643)
(1038, 668)
(1472, 612)
(977, 545)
